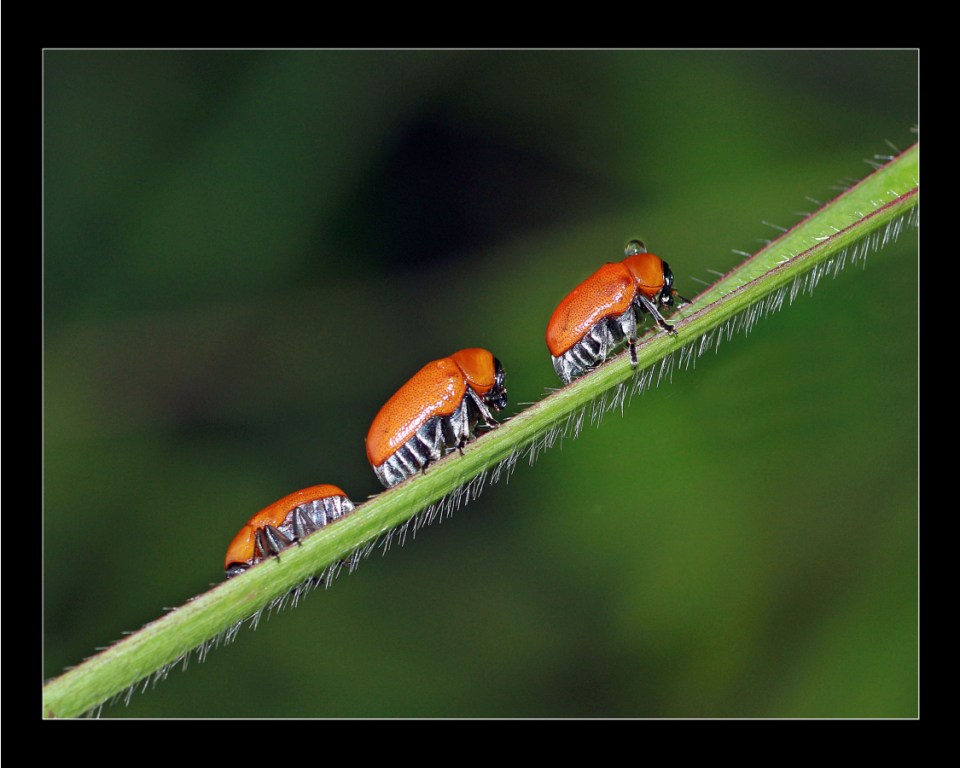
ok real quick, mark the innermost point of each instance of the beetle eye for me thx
(667, 276)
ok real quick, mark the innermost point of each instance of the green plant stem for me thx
(863, 217)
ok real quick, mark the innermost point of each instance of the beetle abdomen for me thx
(595, 346)
(438, 437)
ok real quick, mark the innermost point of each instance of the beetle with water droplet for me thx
(595, 317)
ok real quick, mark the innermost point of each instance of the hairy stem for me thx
(864, 217)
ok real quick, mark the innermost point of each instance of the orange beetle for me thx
(606, 308)
(283, 523)
(434, 413)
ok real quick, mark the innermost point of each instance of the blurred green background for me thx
(246, 252)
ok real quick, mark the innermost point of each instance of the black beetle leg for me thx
(652, 309)
(484, 412)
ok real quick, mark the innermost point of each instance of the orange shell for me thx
(437, 389)
(243, 547)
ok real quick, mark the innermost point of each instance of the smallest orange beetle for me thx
(606, 308)
(283, 523)
(435, 412)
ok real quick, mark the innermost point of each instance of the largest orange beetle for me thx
(598, 314)
(435, 412)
